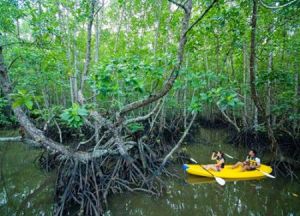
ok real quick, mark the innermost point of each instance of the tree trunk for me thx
(245, 123)
(252, 66)
(218, 53)
(88, 44)
(74, 77)
(296, 101)
(98, 33)
(268, 102)
(232, 65)
(156, 37)
(120, 22)
(254, 95)
(98, 30)
(18, 28)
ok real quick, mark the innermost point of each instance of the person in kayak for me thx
(219, 157)
(251, 163)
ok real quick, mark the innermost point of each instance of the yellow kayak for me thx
(227, 172)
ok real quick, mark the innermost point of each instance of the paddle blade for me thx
(193, 160)
(266, 174)
(185, 167)
(220, 181)
(229, 156)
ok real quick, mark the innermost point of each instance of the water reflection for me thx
(192, 179)
(24, 188)
(255, 197)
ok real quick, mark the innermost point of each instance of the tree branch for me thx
(229, 119)
(201, 17)
(277, 7)
(101, 6)
(13, 61)
(96, 116)
(142, 118)
(178, 143)
(179, 5)
(174, 73)
(38, 135)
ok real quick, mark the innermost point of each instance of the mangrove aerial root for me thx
(85, 186)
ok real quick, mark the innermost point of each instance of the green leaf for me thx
(135, 127)
(73, 116)
(65, 116)
(29, 104)
(83, 112)
(17, 103)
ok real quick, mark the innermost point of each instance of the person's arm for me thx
(246, 161)
(214, 156)
(257, 162)
(220, 162)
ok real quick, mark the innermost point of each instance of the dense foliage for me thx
(133, 48)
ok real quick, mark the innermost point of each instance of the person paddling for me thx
(251, 163)
(220, 161)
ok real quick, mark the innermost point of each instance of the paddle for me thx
(229, 156)
(266, 174)
(219, 180)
